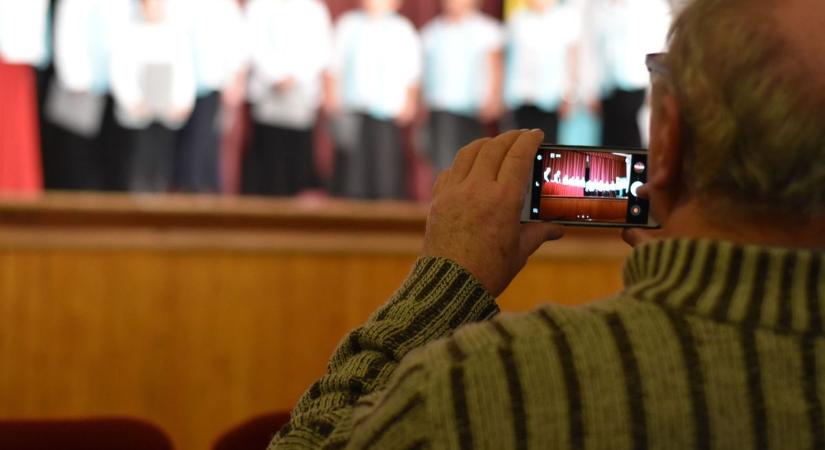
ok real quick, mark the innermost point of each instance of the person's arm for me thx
(492, 106)
(570, 94)
(184, 86)
(411, 106)
(437, 297)
(339, 50)
(71, 61)
(411, 43)
(473, 247)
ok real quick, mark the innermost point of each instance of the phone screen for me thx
(589, 186)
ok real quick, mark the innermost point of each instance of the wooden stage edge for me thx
(216, 223)
(198, 313)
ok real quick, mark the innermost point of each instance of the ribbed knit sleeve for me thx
(364, 374)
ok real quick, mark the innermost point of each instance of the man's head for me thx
(458, 8)
(738, 120)
(379, 7)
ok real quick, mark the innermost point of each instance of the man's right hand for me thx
(475, 215)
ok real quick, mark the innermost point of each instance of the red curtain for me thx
(605, 168)
(19, 136)
(562, 173)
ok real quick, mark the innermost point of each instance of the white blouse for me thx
(290, 39)
(152, 66)
(23, 25)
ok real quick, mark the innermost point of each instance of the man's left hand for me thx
(475, 215)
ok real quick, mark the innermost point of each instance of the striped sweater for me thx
(710, 346)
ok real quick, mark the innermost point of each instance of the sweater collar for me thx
(778, 288)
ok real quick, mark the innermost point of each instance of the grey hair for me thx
(753, 115)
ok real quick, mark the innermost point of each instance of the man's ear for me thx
(667, 136)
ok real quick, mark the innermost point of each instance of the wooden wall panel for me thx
(199, 333)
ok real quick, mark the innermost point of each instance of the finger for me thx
(465, 159)
(491, 155)
(440, 182)
(643, 192)
(535, 234)
(518, 162)
(638, 236)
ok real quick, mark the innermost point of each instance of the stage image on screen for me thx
(579, 186)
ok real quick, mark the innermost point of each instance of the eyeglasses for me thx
(655, 64)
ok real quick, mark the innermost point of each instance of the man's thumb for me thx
(535, 234)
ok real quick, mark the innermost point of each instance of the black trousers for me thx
(530, 117)
(376, 168)
(198, 153)
(152, 160)
(75, 162)
(448, 134)
(280, 161)
(620, 118)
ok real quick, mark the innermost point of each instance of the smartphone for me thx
(588, 186)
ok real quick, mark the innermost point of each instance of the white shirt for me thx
(537, 63)
(290, 39)
(140, 47)
(84, 33)
(218, 35)
(624, 32)
(376, 60)
(457, 62)
(23, 25)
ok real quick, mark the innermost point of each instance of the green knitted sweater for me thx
(710, 345)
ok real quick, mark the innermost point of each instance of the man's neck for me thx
(691, 220)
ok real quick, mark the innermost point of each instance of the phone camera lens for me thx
(639, 167)
(636, 211)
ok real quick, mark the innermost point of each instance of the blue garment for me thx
(378, 60)
(580, 128)
(457, 74)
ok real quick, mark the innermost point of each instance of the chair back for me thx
(85, 434)
(254, 434)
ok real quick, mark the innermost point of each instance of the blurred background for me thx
(200, 198)
(287, 98)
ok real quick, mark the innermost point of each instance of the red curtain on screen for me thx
(605, 168)
(19, 136)
(571, 165)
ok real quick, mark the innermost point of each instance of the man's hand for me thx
(475, 215)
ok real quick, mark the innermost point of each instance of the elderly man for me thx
(716, 340)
